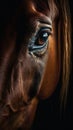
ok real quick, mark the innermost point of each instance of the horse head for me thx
(30, 58)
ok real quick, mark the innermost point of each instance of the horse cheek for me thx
(52, 72)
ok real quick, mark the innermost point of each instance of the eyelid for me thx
(44, 29)
(43, 24)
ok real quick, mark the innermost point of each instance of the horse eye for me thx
(42, 38)
(38, 44)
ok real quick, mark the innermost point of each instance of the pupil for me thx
(44, 37)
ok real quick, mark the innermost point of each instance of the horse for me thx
(34, 57)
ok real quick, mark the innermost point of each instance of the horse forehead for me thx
(29, 6)
(33, 6)
(39, 8)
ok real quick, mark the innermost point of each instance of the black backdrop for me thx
(48, 116)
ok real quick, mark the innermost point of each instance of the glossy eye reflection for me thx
(42, 38)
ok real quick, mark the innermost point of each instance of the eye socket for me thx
(42, 38)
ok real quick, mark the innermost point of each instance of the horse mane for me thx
(65, 41)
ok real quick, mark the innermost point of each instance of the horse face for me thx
(30, 61)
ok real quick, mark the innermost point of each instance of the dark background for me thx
(48, 115)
